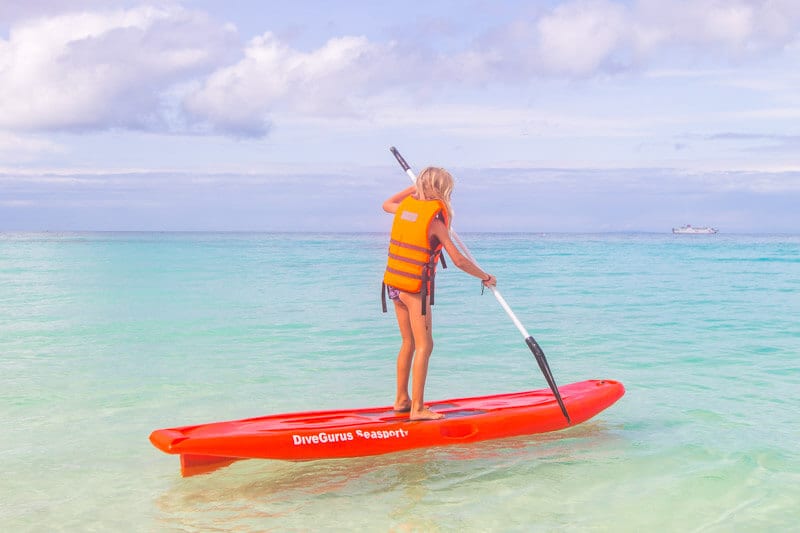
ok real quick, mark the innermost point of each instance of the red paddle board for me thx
(373, 431)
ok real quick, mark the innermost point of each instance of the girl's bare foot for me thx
(425, 414)
(402, 407)
(402, 403)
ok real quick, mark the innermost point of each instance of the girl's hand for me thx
(490, 281)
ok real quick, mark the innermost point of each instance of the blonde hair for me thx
(436, 183)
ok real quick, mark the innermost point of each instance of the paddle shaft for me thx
(537, 351)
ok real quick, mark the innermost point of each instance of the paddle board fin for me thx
(193, 465)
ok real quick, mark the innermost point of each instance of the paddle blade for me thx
(548, 375)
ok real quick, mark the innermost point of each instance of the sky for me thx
(553, 116)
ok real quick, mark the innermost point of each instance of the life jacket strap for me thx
(433, 289)
(414, 247)
(407, 260)
(423, 292)
(402, 273)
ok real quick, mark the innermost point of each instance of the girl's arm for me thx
(390, 205)
(440, 231)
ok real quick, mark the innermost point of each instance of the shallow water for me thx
(107, 336)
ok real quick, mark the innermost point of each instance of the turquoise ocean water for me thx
(105, 337)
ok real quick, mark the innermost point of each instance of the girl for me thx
(420, 230)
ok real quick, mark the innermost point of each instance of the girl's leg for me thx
(423, 343)
(402, 400)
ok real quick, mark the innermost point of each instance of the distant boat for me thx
(688, 229)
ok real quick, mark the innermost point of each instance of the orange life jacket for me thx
(412, 258)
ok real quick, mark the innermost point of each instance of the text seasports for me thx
(346, 436)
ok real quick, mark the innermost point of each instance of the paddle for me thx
(529, 340)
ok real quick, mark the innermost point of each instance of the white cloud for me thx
(95, 70)
(583, 38)
(736, 28)
(161, 68)
(272, 75)
(350, 76)
(578, 37)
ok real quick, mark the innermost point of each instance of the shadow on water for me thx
(309, 495)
